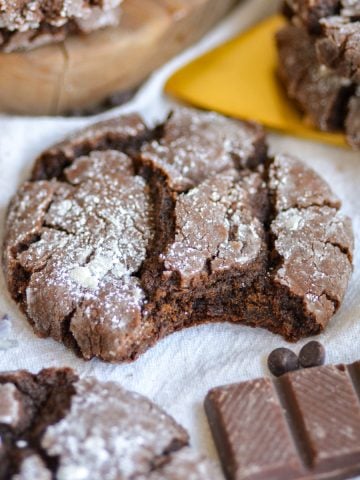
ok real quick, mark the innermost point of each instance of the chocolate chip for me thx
(312, 355)
(282, 360)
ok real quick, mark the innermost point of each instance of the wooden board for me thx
(84, 70)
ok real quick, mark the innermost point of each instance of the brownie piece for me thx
(304, 425)
(25, 25)
(54, 426)
(126, 234)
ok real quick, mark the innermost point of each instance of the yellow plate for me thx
(238, 79)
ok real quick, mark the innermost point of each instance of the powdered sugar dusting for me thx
(196, 145)
(319, 273)
(214, 224)
(96, 228)
(295, 185)
(24, 16)
(33, 468)
(311, 236)
(27, 25)
(110, 433)
(10, 405)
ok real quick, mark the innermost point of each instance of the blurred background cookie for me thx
(319, 63)
(26, 25)
(77, 72)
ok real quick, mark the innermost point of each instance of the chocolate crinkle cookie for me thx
(319, 62)
(125, 234)
(54, 425)
(29, 24)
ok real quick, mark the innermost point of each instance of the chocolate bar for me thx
(304, 425)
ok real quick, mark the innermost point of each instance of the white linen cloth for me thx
(178, 371)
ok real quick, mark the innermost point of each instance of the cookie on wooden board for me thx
(26, 25)
(126, 234)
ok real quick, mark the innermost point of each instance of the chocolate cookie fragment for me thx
(26, 25)
(319, 62)
(55, 426)
(306, 424)
(124, 235)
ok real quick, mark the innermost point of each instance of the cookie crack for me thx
(34, 436)
(344, 250)
(41, 409)
(273, 261)
(230, 237)
(57, 228)
(324, 292)
(52, 163)
(274, 196)
(23, 246)
(331, 299)
(163, 211)
(66, 334)
(306, 207)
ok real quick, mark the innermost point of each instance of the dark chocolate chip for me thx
(312, 355)
(282, 360)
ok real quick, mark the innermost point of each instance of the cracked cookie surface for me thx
(319, 62)
(334, 28)
(126, 234)
(54, 425)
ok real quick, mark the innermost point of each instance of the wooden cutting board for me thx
(84, 70)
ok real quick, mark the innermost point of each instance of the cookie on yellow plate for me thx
(239, 79)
